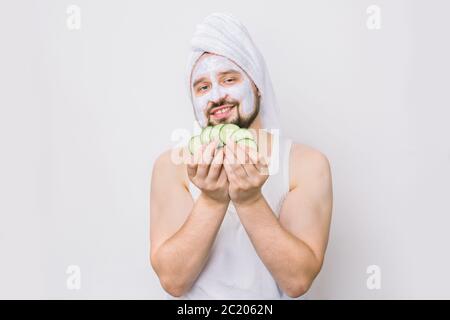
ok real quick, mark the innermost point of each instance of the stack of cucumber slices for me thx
(222, 132)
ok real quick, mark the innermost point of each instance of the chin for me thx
(224, 121)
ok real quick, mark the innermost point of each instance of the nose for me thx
(216, 94)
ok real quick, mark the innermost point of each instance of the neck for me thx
(256, 124)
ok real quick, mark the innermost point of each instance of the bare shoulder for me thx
(308, 165)
(169, 165)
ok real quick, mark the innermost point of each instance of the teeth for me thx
(224, 110)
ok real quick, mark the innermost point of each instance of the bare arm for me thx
(293, 247)
(183, 231)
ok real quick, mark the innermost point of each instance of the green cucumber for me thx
(204, 136)
(214, 134)
(226, 131)
(195, 144)
(242, 134)
(246, 142)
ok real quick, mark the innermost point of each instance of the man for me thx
(221, 226)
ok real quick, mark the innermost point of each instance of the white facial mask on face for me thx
(209, 67)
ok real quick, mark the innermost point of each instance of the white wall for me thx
(85, 113)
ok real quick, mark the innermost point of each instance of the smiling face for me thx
(222, 92)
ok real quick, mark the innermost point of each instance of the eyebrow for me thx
(228, 72)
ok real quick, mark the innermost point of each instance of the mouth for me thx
(221, 112)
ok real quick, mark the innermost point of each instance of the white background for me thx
(84, 114)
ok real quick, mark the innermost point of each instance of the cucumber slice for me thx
(204, 136)
(214, 134)
(242, 134)
(246, 142)
(226, 131)
(195, 144)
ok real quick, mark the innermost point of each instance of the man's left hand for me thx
(246, 171)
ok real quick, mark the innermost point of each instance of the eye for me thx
(202, 88)
(229, 80)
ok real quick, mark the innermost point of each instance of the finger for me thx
(252, 154)
(198, 154)
(262, 165)
(234, 179)
(249, 167)
(231, 153)
(264, 160)
(185, 154)
(207, 156)
(191, 166)
(208, 153)
(234, 164)
(251, 171)
(246, 155)
(222, 177)
(243, 157)
(239, 153)
(234, 152)
(249, 154)
(216, 165)
(191, 170)
(229, 172)
(258, 161)
(264, 170)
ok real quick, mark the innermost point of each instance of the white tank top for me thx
(234, 269)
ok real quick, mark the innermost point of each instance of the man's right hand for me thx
(183, 231)
(205, 170)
